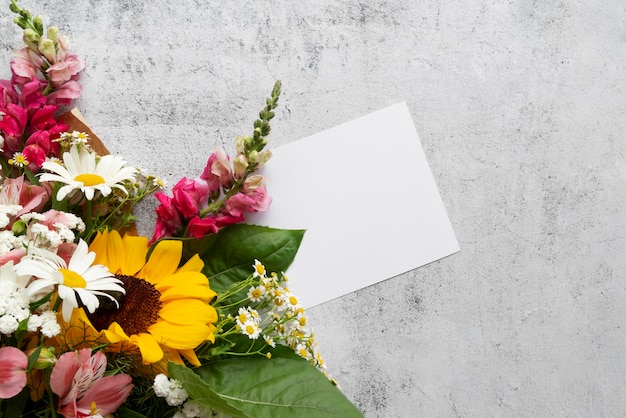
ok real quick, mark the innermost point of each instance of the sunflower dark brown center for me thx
(139, 307)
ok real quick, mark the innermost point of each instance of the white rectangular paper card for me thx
(366, 196)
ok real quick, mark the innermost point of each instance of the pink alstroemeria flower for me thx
(13, 363)
(77, 378)
(17, 191)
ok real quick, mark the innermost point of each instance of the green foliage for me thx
(260, 388)
(230, 255)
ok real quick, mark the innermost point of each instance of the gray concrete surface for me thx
(520, 106)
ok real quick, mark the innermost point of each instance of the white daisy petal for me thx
(86, 172)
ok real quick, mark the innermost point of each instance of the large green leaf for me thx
(279, 388)
(231, 256)
(201, 392)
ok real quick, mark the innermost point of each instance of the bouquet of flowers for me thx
(195, 321)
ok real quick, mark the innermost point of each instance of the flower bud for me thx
(240, 144)
(264, 157)
(253, 157)
(47, 49)
(53, 33)
(38, 23)
(45, 359)
(31, 38)
(240, 163)
(18, 228)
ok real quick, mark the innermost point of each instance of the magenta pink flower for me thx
(35, 155)
(168, 218)
(14, 120)
(13, 363)
(217, 172)
(189, 195)
(201, 227)
(77, 378)
(31, 95)
(7, 92)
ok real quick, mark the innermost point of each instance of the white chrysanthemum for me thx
(84, 170)
(78, 278)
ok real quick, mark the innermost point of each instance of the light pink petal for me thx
(13, 364)
(107, 393)
(64, 371)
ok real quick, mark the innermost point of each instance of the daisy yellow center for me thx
(256, 293)
(139, 307)
(72, 279)
(89, 179)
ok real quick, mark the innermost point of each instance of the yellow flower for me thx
(165, 312)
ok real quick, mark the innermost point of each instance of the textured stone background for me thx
(520, 106)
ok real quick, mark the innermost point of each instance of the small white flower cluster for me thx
(7, 212)
(170, 389)
(175, 395)
(43, 235)
(276, 314)
(42, 230)
(15, 306)
(192, 409)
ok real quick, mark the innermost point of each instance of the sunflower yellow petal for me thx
(177, 279)
(191, 357)
(115, 333)
(135, 251)
(188, 312)
(197, 292)
(195, 263)
(150, 350)
(163, 261)
(180, 337)
(109, 250)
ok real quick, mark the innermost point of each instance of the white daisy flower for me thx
(78, 278)
(82, 170)
(256, 294)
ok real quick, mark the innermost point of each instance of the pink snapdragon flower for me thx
(256, 200)
(13, 363)
(78, 379)
(217, 172)
(189, 196)
(25, 64)
(168, 220)
(201, 227)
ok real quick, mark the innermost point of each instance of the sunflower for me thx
(165, 312)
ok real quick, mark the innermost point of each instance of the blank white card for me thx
(366, 196)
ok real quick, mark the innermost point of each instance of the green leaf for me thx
(231, 256)
(201, 392)
(278, 388)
